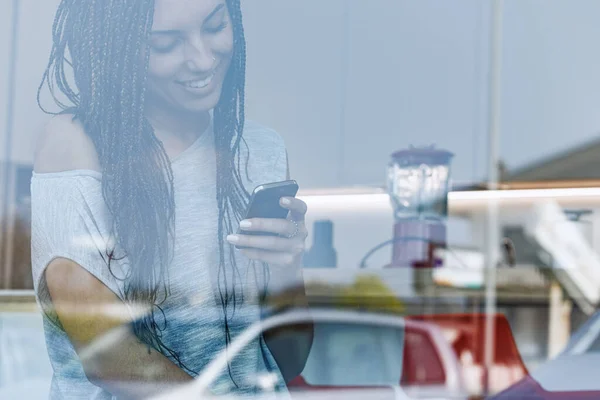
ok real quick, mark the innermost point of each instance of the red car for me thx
(353, 357)
(466, 335)
(443, 358)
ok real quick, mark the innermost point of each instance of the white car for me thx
(354, 356)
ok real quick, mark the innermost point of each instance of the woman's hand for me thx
(285, 249)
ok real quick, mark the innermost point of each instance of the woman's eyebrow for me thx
(218, 8)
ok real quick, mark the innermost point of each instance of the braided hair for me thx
(102, 42)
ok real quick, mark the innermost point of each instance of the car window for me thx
(355, 355)
(422, 364)
(586, 339)
(595, 345)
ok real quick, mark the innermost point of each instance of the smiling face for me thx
(191, 47)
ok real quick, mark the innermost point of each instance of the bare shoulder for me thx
(63, 146)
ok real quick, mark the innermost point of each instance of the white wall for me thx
(346, 82)
(34, 44)
(294, 82)
(5, 48)
(33, 48)
(415, 73)
(551, 77)
(414, 78)
(397, 65)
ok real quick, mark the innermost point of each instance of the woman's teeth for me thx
(198, 84)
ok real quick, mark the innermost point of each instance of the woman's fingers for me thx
(283, 227)
(288, 244)
(296, 206)
(269, 257)
(268, 243)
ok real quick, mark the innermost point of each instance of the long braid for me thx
(232, 197)
(105, 39)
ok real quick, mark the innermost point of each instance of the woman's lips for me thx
(198, 83)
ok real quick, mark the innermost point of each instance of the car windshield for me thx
(355, 355)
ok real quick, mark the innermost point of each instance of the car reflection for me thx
(354, 355)
(572, 375)
(466, 335)
(418, 360)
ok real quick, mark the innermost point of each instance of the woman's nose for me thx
(199, 57)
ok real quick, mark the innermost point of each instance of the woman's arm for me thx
(93, 317)
(98, 325)
(290, 345)
(283, 253)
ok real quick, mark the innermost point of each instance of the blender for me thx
(418, 181)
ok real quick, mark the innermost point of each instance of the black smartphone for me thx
(265, 202)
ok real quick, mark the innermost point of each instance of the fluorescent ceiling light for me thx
(524, 194)
(460, 202)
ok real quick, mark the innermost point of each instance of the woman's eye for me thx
(164, 46)
(217, 28)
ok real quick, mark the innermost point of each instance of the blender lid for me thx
(423, 155)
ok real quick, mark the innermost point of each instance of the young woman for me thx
(139, 187)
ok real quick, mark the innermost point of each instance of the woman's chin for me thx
(177, 102)
(202, 104)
